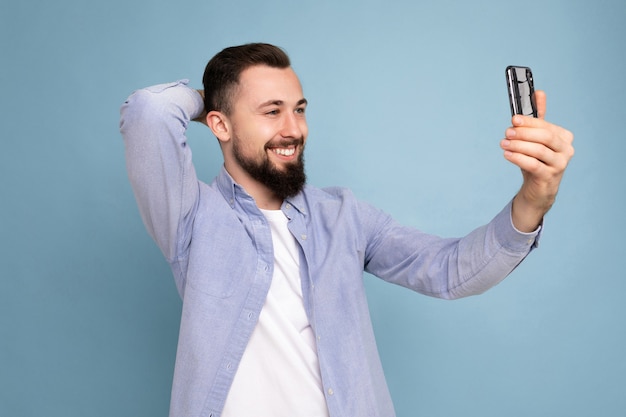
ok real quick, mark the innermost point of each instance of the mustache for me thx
(283, 143)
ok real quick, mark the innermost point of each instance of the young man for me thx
(275, 319)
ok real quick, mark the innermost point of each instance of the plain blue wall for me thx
(407, 106)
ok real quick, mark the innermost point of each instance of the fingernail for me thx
(510, 133)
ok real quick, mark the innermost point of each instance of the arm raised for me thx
(158, 160)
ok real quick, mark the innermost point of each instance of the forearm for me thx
(451, 268)
(490, 253)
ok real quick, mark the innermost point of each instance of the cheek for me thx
(250, 148)
(303, 127)
(252, 138)
(259, 134)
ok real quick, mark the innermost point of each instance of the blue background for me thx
(407, 106)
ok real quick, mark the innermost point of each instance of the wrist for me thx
(527, 215)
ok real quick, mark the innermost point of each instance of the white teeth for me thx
(284, 152)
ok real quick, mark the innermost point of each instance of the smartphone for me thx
(519, 81)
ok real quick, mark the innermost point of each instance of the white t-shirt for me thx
(279, 372)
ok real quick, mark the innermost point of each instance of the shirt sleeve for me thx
(448, 267)
(153, 125)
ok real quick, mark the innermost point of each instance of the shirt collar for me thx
(298, 201)
(226, 185)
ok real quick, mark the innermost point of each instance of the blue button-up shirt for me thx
(219, 246)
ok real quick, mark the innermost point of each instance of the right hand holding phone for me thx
(542, 151)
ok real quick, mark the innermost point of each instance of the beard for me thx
(283, 183)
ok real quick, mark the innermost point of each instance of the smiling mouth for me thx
(284, 151)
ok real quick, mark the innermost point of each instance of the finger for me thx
(528, 121)
(523, 149)
(520, 139)
(530, 130)
(540, 103)
(524, 162)
(540, 131)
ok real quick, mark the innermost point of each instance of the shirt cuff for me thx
(510, 237)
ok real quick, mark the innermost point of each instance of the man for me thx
(275, 319)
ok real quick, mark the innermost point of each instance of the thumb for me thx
(540, 102)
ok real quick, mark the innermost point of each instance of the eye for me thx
(300, 110)
(272, 112)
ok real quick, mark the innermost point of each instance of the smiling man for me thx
(270, 270)
(262, 131)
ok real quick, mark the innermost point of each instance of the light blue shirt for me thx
(219, 247)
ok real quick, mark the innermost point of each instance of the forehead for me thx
(260, 83)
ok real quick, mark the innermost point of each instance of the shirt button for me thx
(303, 237)
(288, 206)
(330, 391)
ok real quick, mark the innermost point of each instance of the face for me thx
(269, 129)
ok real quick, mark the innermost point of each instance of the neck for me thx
(266, 202)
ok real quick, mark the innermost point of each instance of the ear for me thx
(219, 124)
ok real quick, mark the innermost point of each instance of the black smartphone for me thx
(519, 81)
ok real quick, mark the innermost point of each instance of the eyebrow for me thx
(281, 102)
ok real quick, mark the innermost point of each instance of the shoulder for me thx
(338, 196)
(341, 200)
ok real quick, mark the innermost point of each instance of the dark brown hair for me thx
(221, 75)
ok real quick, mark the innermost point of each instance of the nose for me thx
(293, 126)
